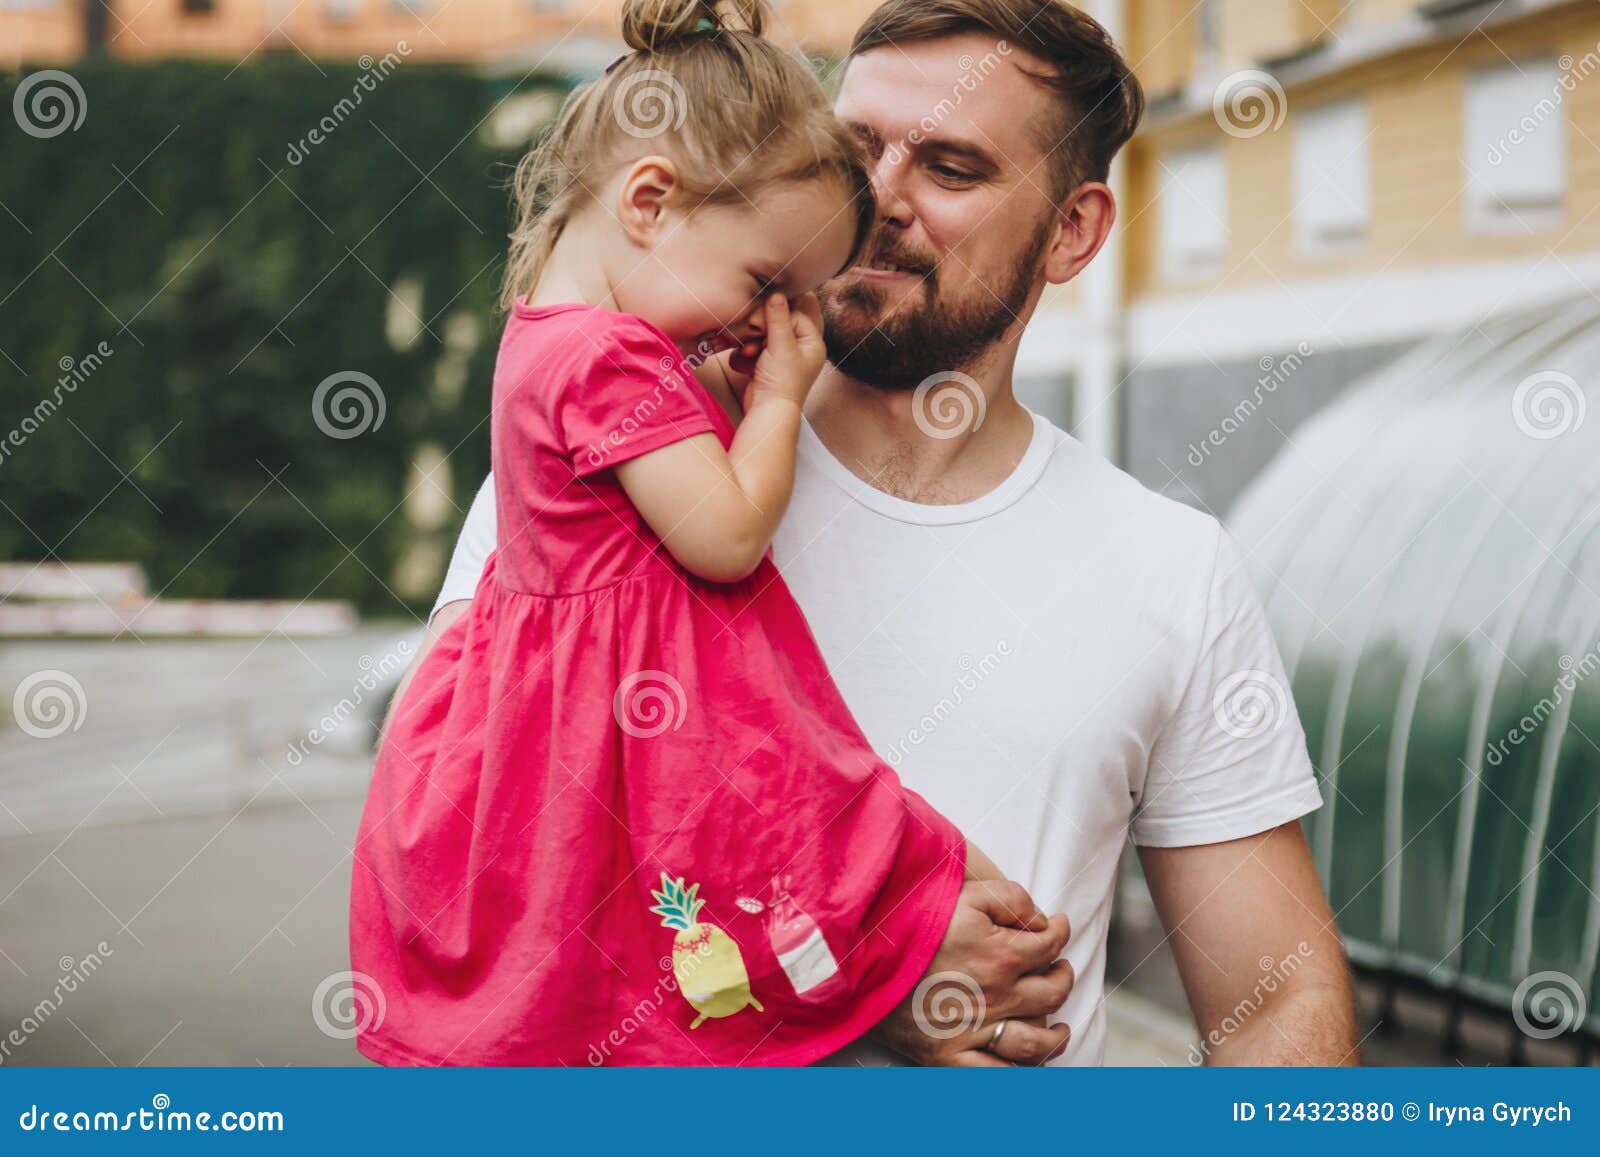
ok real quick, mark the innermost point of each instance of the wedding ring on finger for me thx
(995, 1039)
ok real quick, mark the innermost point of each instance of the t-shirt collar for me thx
(1021, 479)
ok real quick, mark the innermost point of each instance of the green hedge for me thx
(227, 283)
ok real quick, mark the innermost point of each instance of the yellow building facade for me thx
(1330, 183)
(36, 32)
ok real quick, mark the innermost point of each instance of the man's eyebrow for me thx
(869, 135)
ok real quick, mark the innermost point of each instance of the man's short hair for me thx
(1100, 100)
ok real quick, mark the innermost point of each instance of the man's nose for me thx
(888, 179)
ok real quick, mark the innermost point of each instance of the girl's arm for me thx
(717, 511)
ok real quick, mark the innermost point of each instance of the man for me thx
(1054, 657)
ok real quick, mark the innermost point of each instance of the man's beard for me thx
(922, 336)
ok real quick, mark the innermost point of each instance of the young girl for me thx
(622, 814)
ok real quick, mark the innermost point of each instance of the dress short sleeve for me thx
(639, 395)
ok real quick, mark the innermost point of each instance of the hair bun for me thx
(660, 25)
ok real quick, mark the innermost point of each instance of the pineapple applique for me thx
(705, 959)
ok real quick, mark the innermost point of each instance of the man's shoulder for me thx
(1101, 495)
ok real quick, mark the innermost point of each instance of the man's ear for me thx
(1083, 221)
(648, 185)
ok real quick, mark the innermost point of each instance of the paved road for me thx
(172, 828)
(102, 732)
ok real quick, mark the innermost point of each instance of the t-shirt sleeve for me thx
(474, 546)
(1231, 761)
(637, 397)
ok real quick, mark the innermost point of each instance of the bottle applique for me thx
(705, 959)
(800, 947)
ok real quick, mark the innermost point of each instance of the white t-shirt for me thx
(1064, 662)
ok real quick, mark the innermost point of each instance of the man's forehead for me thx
(967, 89)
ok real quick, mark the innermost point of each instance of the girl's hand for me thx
(794, 351)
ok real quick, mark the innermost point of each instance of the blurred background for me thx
(248, 257)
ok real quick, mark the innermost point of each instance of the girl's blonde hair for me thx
(734, 111)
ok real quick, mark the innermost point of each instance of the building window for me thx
(1332, 197)
(1514, 148)
(1192, 212)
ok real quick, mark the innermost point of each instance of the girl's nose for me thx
(756, 322)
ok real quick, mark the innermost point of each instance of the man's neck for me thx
(881, 435)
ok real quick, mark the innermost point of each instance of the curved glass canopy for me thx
(1428, 548)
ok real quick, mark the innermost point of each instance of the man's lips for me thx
(868, 273)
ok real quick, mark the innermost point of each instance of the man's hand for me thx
(999, 961)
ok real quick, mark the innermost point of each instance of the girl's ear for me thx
(647, 187)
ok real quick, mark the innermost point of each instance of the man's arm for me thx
(476, 543)
(442, 618)
(1257, 949)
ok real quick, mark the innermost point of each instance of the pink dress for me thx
(622, 815)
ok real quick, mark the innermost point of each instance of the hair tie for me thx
(705, 26)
